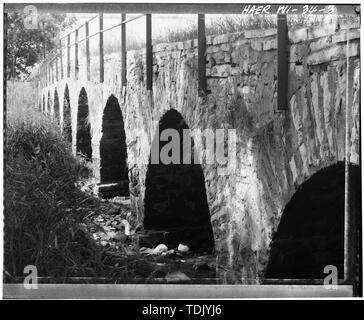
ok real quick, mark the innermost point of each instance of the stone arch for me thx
(48, 111)
(175, 195)
(83, 135)
(67, 120)
(56, 106)
(113, 150)
(310, 235)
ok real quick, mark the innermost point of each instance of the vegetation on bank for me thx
(42, 202)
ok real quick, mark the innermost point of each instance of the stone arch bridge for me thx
(278, 152)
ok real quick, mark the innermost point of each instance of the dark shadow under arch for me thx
(49, 103)
(43, 104)
(175, 197)
(113, 151)
(83, 137)
(310, 235)
(67, 124)
(56, 106)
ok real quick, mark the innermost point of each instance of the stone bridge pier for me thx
(278, 153)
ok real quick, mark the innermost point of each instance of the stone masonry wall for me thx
(276, 150)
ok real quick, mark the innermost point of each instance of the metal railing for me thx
(46, 68)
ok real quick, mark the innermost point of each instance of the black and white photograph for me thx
(181, 150)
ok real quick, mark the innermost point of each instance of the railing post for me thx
(201, 56)
(76, 54)
(87, 52)
(101, 47)
(61, 58)
(282, 67)
(149, 52)
(123, 51)
(68, 56)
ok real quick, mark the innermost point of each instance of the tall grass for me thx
(41, 199)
